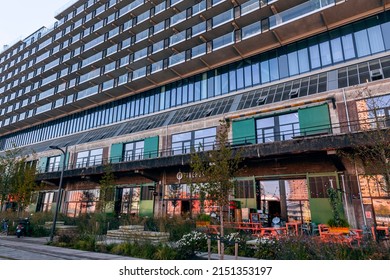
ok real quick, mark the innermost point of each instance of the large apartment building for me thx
(137, 84)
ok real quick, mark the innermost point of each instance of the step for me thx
(132, 228)
(146, 234)
(58, 223)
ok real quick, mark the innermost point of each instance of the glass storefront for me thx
(80, 202)
(376, 194)
(287, 199)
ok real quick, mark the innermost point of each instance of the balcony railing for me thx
(299, 11)
(285, 136)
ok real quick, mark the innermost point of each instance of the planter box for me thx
(338, 230)
(200, 224)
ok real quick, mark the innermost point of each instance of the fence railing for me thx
(283, 136)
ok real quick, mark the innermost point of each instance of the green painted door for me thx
(320, 207)
(146, 208)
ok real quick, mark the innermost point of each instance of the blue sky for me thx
(20, 18)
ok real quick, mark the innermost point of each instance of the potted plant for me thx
(336, 223)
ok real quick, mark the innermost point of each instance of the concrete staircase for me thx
(62, 229)
(135, 233)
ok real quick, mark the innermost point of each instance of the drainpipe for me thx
(345, 198)
(346, 111)
(360, 196)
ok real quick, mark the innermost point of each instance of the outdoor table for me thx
(341, 235)
(247, 226)
(272, 231)
(383, 229)
(294, 226)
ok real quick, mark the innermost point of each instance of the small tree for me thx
(217, 168)
(17, 178)
(373, 155)
(335, 201)
(107, 188)
(24, 181)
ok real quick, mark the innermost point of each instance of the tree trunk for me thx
(222, 233)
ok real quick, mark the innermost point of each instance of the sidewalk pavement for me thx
(32, 248)
(204, 256)
(35, 248)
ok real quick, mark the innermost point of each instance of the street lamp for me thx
(53, 228)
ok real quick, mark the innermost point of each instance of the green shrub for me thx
(178, 227)
(39, 231)
(203, 217)
(121, 249)
(144, 251)
(340, 223)
(164, 252)
(190, 244)
(309, 248)
(66, 239)
(85, 243)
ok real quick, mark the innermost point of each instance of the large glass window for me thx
(363, 38)
(277, 128)
(374, 112)
(128, 199)
(374, 191)
(337, 50)
(45, 201)
(89, 158)
(287, 199)
(53, 164)
(315, 56)
(134, 151)
(80, 202)
(362, 44)
(376, 39)
(199, 140)
(244, 189)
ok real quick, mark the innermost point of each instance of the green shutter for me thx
(116, 153)
(244, 132)
(151, 147)
(314, 120)
(62, 160)
(42, 165)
